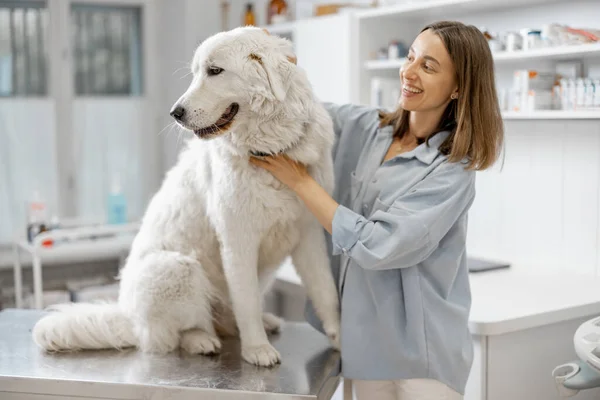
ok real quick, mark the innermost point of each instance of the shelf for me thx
(552, 114)
(384, 64)
(435, 8)
(554, 53)
(551, 53)
(409, 8)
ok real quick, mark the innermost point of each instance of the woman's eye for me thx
(214, 71)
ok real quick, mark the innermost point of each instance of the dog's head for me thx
(239, 77)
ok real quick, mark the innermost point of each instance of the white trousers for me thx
(404, 389)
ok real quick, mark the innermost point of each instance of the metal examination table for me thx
(309, 369)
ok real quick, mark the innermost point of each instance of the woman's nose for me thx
(407, 71)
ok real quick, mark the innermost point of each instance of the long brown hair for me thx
(474, 119)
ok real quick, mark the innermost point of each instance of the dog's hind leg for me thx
(202, 339)
(172, 295)
(271, 322)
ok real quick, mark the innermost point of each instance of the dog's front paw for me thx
(263, 355)
(272, 323)
(333, 333)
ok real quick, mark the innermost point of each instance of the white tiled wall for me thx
(540, 211)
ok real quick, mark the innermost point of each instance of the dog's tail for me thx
(80, 326)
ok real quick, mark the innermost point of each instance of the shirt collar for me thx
(425, 152)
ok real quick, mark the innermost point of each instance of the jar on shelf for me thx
(396, 49)
(496, 44)
(513, 41)
(485, 32)
(277, 12)
(532, 39)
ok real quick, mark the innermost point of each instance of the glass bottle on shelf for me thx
(249, 15)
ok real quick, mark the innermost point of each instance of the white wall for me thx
(112, 136)
(540, 211)
(27, 147)
(185, 24)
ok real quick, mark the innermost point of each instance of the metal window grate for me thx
(23, 32)
(106, 50)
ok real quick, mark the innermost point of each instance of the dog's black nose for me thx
(177, 112)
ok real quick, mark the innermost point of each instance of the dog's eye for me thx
(214, 71)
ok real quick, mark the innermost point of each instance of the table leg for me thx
(18, 277)
(37, 281)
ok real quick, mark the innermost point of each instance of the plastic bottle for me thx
(579, 94)
(117, 203)
(589, 93)
(36, 216)
(393, 52)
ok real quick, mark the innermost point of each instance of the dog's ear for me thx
(279, 68)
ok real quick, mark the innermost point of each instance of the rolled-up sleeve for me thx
(352, 118)
(412, 226)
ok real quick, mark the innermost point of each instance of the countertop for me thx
(308, 369)
(511, 299)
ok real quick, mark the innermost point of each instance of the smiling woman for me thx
(398, 219)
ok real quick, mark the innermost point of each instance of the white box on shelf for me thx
(385, 92)
(524, 82)
(570, 69)
(539, 100)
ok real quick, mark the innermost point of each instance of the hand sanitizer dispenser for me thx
(117, 204)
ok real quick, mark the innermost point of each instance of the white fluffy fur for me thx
(218, 228)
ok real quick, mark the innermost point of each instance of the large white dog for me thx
(219, 227)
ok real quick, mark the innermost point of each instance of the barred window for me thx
(23, 56)
(107, 50)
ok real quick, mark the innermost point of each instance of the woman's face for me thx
(428, 76)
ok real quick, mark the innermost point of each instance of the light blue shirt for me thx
(398, 253)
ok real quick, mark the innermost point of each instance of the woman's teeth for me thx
(412, 90)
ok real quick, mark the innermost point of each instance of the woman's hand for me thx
(289, 172)
(296, 177)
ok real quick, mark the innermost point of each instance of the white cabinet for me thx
(324, 49)
(518, 365)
